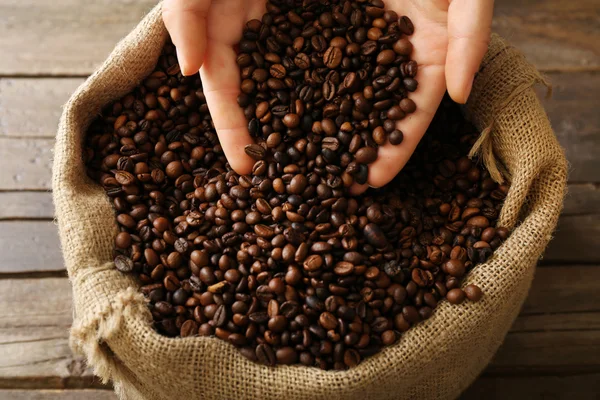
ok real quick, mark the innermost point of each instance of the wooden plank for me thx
(29, 246)
(64, 36)
(580, 387)
(25, 164)
(569, 321)
(576, 240)
(548, 353)
(564, 289)
(33, 334)
(582, 199)
(554, 34)
(70, 37)
(88, 394)
(26, 205)
(573, 112)
(32, 107)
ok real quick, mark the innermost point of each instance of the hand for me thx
(450, 40)
(205, 33)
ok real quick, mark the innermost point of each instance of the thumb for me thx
(186, 22)
(469, 28)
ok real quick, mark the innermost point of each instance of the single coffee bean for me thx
(396, 137)
(455, 296)
(406, 26)
(403, 47)
(473, 293)
(332, 57)
(366, 155)
(255, 151)
(124, 264)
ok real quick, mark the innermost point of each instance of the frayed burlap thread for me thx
(437, 359)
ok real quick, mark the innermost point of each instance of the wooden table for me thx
(48, 48)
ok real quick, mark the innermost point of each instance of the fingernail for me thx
(183, 65)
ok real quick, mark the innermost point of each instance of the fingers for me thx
(469, 27)
(221, 81)
(186, 22)
(392, 158)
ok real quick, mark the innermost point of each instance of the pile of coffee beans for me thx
(283, 263)
(339, 71)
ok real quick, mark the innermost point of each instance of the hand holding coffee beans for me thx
(449, 40)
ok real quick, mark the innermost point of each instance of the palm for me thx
(430, 41)
(225, 22)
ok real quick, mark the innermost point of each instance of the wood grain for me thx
(573, 112)
(27, 205)
(580, 387)
(63, 37)
(28, 246)
(26, 164)
(32, 107)
(564, 289)
(552, 335)
(34, 335)
(577, 239)
(87, 394)
(582, 199)
(554, 34)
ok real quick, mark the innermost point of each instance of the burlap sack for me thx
(435, 360)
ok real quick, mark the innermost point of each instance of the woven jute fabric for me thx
(437, 359)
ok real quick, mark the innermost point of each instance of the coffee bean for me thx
(277, 71)
(473, 293)
(396, 137)
(189, 328)
(332, 57)
(406, 26)
(366, 155)
(123, 240)
(265, 355)
(410, 84)
(124, 264)
(374, 235)
(291, 120)
(328, 321)
(255, 151)
(386, 57)
(403, 47)
(286, 355)
(455, 296)
(408, 106)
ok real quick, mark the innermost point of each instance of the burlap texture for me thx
(437, 359)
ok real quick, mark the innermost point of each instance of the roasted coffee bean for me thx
(255, 151)
(396, 137)
(332, 57)
(124, 264)
(366, 155)
(285, 263)
(455, 296)
(265, 354)
(473, 293)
